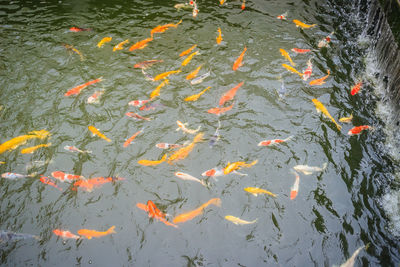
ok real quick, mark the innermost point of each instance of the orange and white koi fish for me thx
(189, 58)
(359, 129)
(89, 184)
(65, 177)
(255, 191)
(154, 212)
(196, 96)
(194, 213)
(303, 25)
(185, 176)
(95, 97)
(146, 162)
(75, 149)
(141, 44)
(321, 108)
(219, 37)
(183, 152)
(77, 29)
(89, 234)
(103, 41)
(325, 42)
(146, 64)
(163, 28)
(194, 73)
(130, 139)
(22, 139)
(138, 103)
(213, 172)
(300, 51)
(356, 88)
(307, 170)
(282, 16)
(238, 62)
(48, 181)
(286, 55)
(346, 119)
(238, 221)
(186, 52)
(120, 46)
(167, 145)
(320, 81)
(219, 111)
(230, 167)
(295, 188)
(229, 95)
(290, 68)
(65, 234)
(156, 92)
(243, 4)
(137, 116)
(307, 73)
(79, 88)
(32, 149)
(95, 131)
(72, 48)
(274, 141)
(166, 74)
(182, 126)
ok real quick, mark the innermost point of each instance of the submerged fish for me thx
(167, 145)
(138, 103)
(238, 62)
(13, 176)
(48, 181)
(186, 52)
(141, 44)
(6, 236)
(325, 42)
(95, 97)
(72, 48)
(95, 131)
(22, 139)
(89, 184)
(188, 177)
(89, 234)
(103, 41)
(166, 74)
(230, 167)
(65, 234)
(274, 141)
(183, 152)
(185, 6)
(282, 16)
(194, 73)
(359, 129)
(154, 212)
(182, 126)
(286, 55)
(290, 68)
(230, 94)
(146, 162)
(148, 63)
(30, 150)
(213, 172)
(219, 37)
(200, 78)
(295, 188)
(75, 149)
(219, 111)
(321, 108)
(79, 88)
(356, 88)
(303, 25)
(65, 177)
(238, 221)
(77, 29)
(163, 28)
(300, 51)
(196, 96)
(120, 46)
(307, 170)
(255, 191)
(156, 92)
(194, 213)
(346, 119)
(320, 81)
(350, 262)
(189, 58)
(130, 139)
(307, 73)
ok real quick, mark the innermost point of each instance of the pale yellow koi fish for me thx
(238, 221)
(255, 191)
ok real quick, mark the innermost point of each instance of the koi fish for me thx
(200, 78)
(103, 41)
(238, 221)
(185, 176)
(307, 73)
(77, 29)
(182, 126)
(183, 152)
(286, 55)
(219, 111)
(274, 141)
(186, 52)
(166, 74)
(141, 44)
(48, 181)
(194, 73)
(196, 96)
(213, 172)
(230, 167)
(300, 51)
(282, 16)
(219, 37)
(120, 46)
(350, 262)
(146, 162)
(183, 6)
(189, 58)
(282, 92)
(346, 119)
(95, 98)
(214, 139)
(95, 131)
(295, 188)
(75, 149)
(16, 142)
(89, 184)
(221, 2)
(303, 25)
(137, 116)
(321, 108)
(65, 234)
(6, 236)
(72, 48)
(147, 76)
(167, 146)
(255, 191)
(229, 95)
(195, 11)
(148, 63)
(194, 213)
(156, 92)
(138, 103)
(130, 139)
(307, 170)
(356, 88)
(320, 81)
(243, 4)
(154, 212)
(163, 28)
(79, 88)
(65, 177)
(13, 176)
(358, 129)
(30, 150)
(89, 234)
(289, 68)
(238, 62)
(325, 42)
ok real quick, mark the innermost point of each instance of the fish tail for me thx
(111, 230)
(216, 201)
(289, 138)
(324, 166)
(198, 138)
(254, 162)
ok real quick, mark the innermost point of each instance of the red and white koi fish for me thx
(182, 126)
(213, 172)
(130, 139)
(95, 98)
(75, 149)
(167, 146)
(307, 170)
(325, 42)
(356, 88)
(79, 88)
(295, 188)
(359, 129)
(138, 103)
(307, 73)
(13, 176)
(77, 29)
(137, 116)
(229, 95)
(300, 51)
(65, 177)
(48, 181)
(65, 234)
(282, 16)
(185, 176)
(274, 141)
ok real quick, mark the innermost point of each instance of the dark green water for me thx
(335, 212)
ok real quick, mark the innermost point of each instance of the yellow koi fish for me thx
(321, 108)
(289, 68)
(183, 152)
(194, 73)
(120, 46)
(219, 37)
(346, 119)
(255, 191)
(146, 162)
(286, 55)
(156, 92)
(95, 131)
(165, 74)
(30, 150)
(237, 165)
(189, 58)
(195, 97)
(238, 221)
(303, 25)
(20, 140)
(103, 41)
(71, 47)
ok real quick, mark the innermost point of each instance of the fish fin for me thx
(111, 230)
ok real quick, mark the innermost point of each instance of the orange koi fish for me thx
(295, 188)
(300, 51)
(189, 58)
(89, 184)
(120, 46)
(130, 139)
(65, 177)
(219, 37)
(182, 126)
(286, 55)
(146, 162)
(320, 81)
(156, 92)
(154, 212)
(359, 129)
(274, 141)
(183, 152)
(238, 62)
(95, 131)
(163, 28)
(48, 181)
(290, 68)
(95, 98)
(356, 88)
(219, 111)
(229, 95)
(77, 29)
(103, 41)
(146, 64)
(89, 234)
(167, 146)
(20, 140)
(196, 96)
(137, 116)
(237, 165)
(71, 47)
(141, 44)
(186, 52)
(65, 234)
(32, 149)
(194, 73)
(166, 74)
(194, 213)
(79, 88)
(303, 25)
